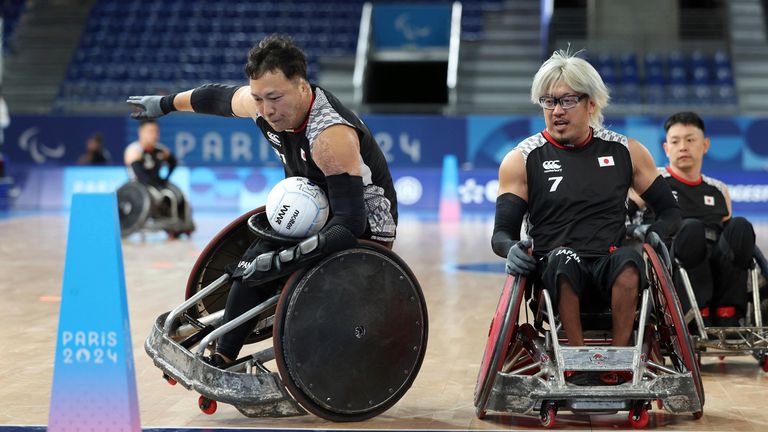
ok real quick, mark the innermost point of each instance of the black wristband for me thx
(345, 194)
(166, 103)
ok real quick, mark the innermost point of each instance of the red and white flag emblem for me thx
(709, 200)
(605, 161)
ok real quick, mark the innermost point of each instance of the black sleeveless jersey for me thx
(294, 148)
(577, 195)
(703, 200)
(151, 162)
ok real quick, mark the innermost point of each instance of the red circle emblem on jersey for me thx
(605, 161)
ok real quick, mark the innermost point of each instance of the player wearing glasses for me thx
(570, 183)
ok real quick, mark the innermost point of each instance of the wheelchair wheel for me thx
(675, 337)
(133, 204)
(227, 247)
(503, 328)
(350, 333)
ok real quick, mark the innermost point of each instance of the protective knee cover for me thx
(690, 244)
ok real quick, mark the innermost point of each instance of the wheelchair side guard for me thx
(350, 333)
(133, 204)
(254, 395)
(499, 336)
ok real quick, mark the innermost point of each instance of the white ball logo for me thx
(296, 207)
(409, 190)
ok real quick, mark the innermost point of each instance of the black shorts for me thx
(592, 276)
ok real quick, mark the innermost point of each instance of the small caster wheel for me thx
(170, 380)
(638, 418)
(698, 414)
(765, 363)
(659, 404)
(207, 406)
(547, 416)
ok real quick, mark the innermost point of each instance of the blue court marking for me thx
(487, 267)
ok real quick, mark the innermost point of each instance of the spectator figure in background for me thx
(95, 154)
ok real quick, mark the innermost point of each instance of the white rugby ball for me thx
(296, 207)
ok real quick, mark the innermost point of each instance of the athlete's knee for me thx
(690, 244)
(628, 277)
(737, 242)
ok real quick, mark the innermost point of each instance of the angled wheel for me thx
(672, 328)
(350, 333)
(502, 330)
(207, 406)
(226, 247)
(133, 205)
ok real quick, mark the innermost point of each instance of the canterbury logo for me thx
(273, 137)
(551, 165)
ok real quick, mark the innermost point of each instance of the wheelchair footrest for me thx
(522, 394)
(598, 358)
(255, 395)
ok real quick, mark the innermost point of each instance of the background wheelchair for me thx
(348, 333)
(143, 208)
(524, 366)
(749, 339)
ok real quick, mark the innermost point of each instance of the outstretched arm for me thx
(214, 99)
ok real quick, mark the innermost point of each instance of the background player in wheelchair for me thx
(716, 260)
(149, 200)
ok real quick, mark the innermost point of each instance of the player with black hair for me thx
(315, 136)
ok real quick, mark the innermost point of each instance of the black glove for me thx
(637, 231)
(151, 107)
(519, 263)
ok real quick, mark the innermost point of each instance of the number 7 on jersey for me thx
(555, 182)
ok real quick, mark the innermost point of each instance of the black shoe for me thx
(217, 360)
(726, 317)
(583, 378)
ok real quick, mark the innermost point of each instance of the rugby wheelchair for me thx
(751, 338)
(524, 365)
(348, 332)
(144, 208)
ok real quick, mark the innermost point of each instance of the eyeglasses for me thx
(566, 102)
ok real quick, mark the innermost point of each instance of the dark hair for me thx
(273, 53)
(98, 137)
(145, 122)
(684, 118)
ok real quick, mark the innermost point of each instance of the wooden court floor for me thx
(460, 304)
